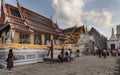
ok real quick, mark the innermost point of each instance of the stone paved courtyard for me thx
(85, 65)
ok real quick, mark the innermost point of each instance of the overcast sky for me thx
(100, 14)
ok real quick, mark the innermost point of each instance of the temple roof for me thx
(73, 34)
(69, 30)
(94, 31)
(73, 30)
(23, 19)
(112, 36)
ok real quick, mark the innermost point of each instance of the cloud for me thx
(99, 19)
(68, 11)
(71, 12)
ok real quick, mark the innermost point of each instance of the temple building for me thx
(31, 36)
(21, 25)
(73, 34)
(86, 42)
(27, 33)
(114, 41)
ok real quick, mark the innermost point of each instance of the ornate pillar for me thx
(31, 38)
(43, 39)
(51, 46)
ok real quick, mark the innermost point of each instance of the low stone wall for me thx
(28, 56)
(22, 56)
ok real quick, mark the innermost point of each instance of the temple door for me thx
(112, 46)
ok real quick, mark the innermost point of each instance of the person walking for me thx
(105, 53)
(108, 52)
(9, 60)
(60, 57)
(99, 52)
(102, 52)
(115, 52)
(111, 51)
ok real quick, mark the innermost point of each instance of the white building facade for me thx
(86, 42)
(114, 41)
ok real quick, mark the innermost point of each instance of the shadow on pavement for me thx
(117, 68)
(47, 60)
(52, 61)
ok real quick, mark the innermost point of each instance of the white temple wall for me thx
(23, 56)
(118, 44)
(112, 42)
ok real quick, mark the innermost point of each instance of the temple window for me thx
(19, 57)
(2, 57)
(15, 12)
(24, 38)
(30, 56)
(37, 39)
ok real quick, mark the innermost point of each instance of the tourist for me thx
(70, 54)
(99, 52)
(119, 52)
(87, 50)
(114, 52)
(60, 57)
(94, 52)
(105, 53)
(67, 55)
(9, 60)
(111, 51)
(108, 52)
(78, 52)
(102, 52)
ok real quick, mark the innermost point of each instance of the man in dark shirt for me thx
(99, 52)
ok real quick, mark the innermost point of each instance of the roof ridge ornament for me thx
(52, 21)
(112, 31)
(22, 16)
(18, 4)
(112, 35)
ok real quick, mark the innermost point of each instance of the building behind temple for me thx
(100, 39)
(92, 39)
